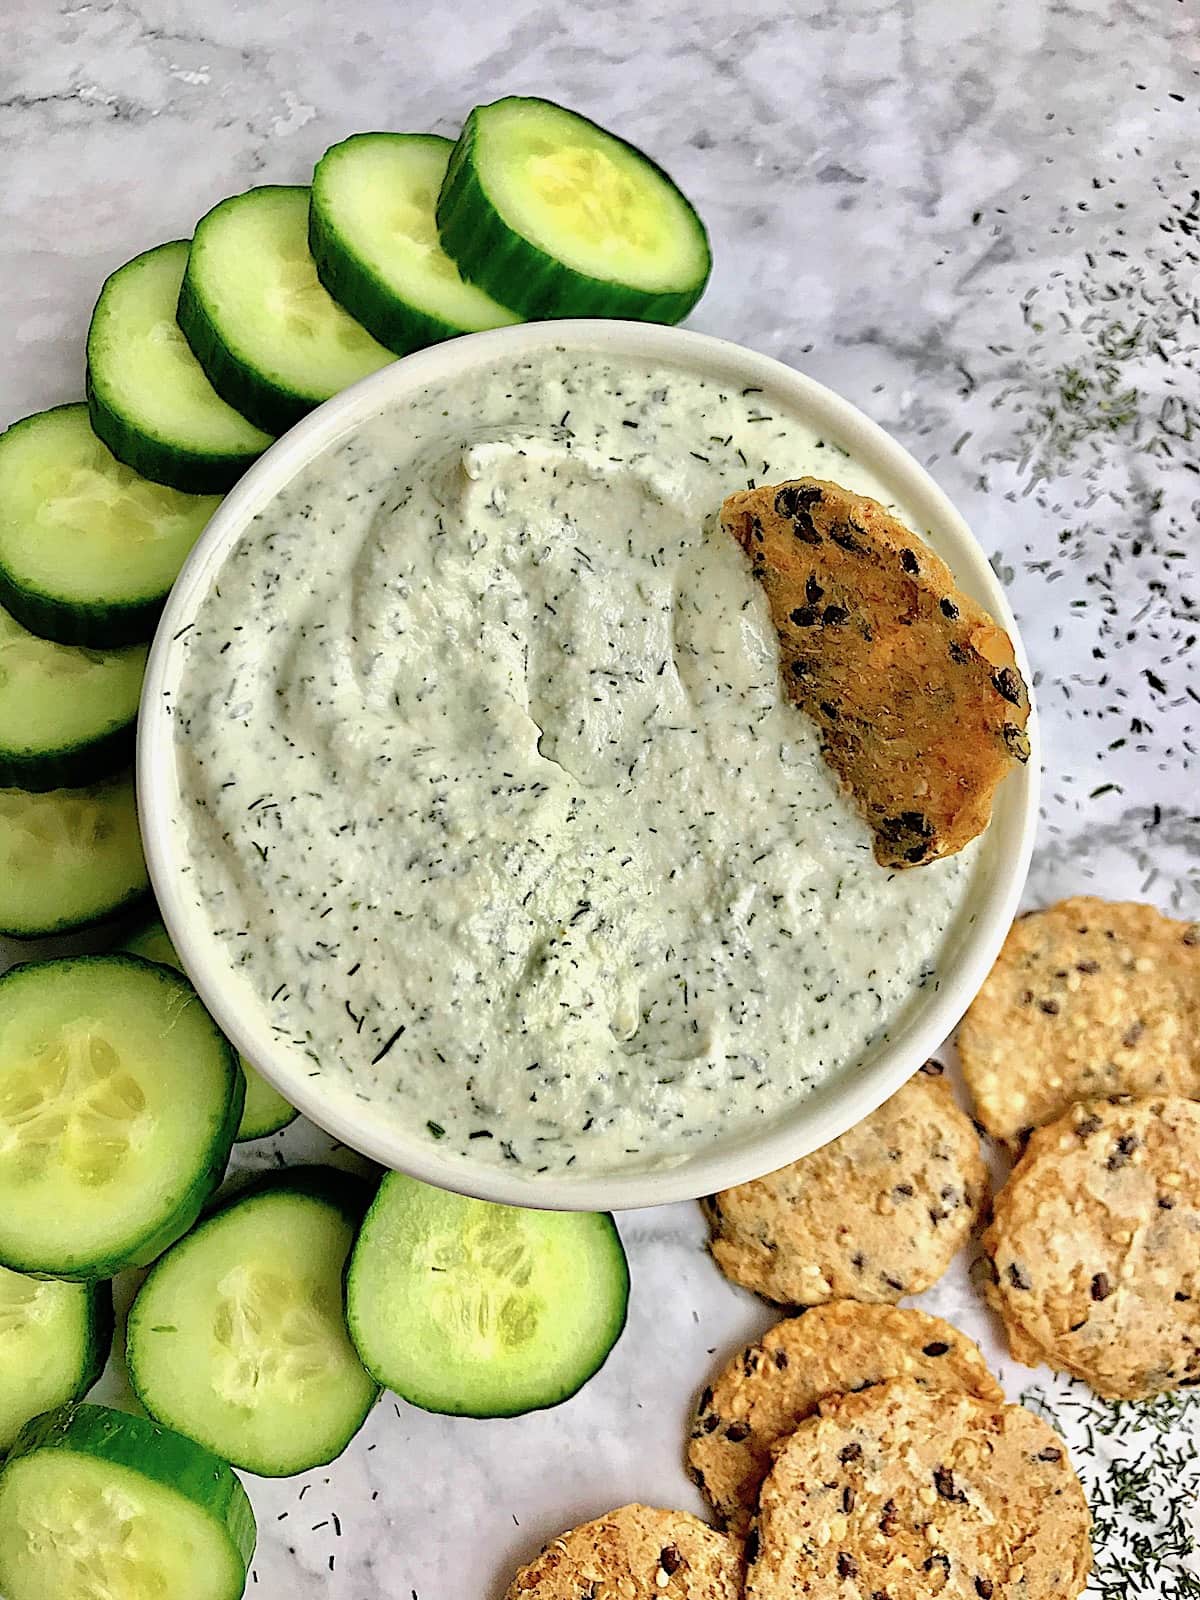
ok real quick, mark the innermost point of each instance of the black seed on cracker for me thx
(943, 1482)
(842, 536)
(1101, 1288)
(795, 497)
(1016, 742)
(1121, 1151)
(669, 1559)
(1008, 685)
(794, 501)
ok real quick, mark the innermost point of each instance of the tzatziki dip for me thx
(491, 794)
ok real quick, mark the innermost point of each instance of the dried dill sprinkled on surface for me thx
(1085, 419)
(1139, 1463)
(1112, 339)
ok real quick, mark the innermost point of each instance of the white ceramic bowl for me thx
(828, 1110)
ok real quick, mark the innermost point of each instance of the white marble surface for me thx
(967, 220)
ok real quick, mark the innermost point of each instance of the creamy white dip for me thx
(493, 797)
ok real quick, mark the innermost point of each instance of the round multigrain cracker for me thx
(770, 1387)
(901, 1492)
(634, 1553)
(875, 1215)
(1095, 1247)
(1087, 998)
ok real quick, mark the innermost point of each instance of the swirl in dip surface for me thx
(491, 794)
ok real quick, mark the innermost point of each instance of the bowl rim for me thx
(835, 1105)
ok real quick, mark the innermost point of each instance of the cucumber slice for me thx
(482, 1310)
(98, 1505)
(269, 336)
(373, 234)
(555, 217)
(265, 1110)
(88, 550)
(55, 1338)
(238, 1336)
(150, 401)
(119, 1097)
(68, 857)
(66, 715)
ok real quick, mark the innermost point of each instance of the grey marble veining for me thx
(976, 222)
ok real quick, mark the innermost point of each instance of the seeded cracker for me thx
(915, 688)
(634, 1553)
(904, 1493)
(769, 1388)
(1090, 997)
(1095, 1247)
(875, 1215)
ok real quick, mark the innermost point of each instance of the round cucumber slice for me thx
(270, 337)
(66, 715)
(482, 1310)
(55, 1338)
(88, 549)
(265, 1110)
(556, 217)
(238, 1336)
(118, 1102)
(98, 1505)
(150, 401)
(373, 233)
(68, 857)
